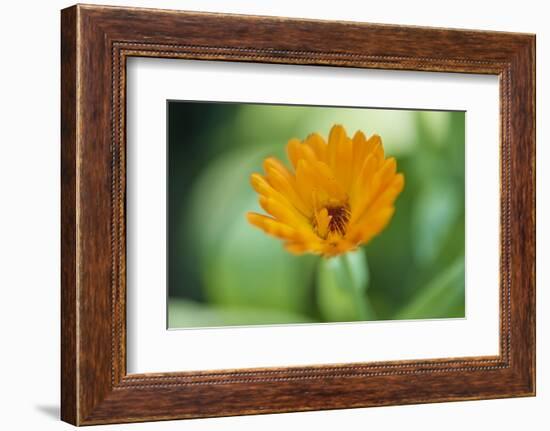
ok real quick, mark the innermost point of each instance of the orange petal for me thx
(324, 180)
(360, 184)
(296, 248)
(284, 213)
(323, 220)
(359, 152)
(383, 200)
(373, 142)
(305, 181)
(371, 186)
(297, 151)
(372, 225)
(288, 189)
(303, 247)
(263, 188)
(271, 163)
(387, 171)
(343, 164)
(318, 145)
(272, 226)
(389, 194)
(336, 137)
(260, 184)
(374, 146)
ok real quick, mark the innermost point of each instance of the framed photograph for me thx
(264, 214)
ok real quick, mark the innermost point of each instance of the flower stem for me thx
(359, 276)
(364, 307)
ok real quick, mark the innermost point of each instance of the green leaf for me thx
(342, 282)
(189, 314)
(442, 298)
(251, 269)
(237, 265)
(435, 213)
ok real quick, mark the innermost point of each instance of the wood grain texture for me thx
(96, 41)
(69, 366)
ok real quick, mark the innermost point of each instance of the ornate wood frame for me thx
(95, 43)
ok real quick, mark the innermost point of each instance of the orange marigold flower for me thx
(337, 196)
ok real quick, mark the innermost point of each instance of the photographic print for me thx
(253, 212)
(291, 214)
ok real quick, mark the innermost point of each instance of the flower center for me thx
(339, 217)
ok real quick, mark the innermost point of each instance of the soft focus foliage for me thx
(223, 272)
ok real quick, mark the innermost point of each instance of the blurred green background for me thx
(222, 271)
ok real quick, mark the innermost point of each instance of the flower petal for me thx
(359, 152)
(374, 146)
(272, 226)
(361, 183)
(383, 200)
(323, 220)
(325, 181)
(285, 213)
(271, 163)
(336, 137)
(263, 188)
(305, 182)
(297, 151)
(302, 247)
(373, 225)
(371, 186)
(318, 145)
(288, 188)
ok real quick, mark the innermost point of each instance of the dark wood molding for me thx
(69, 368)
(95, 43)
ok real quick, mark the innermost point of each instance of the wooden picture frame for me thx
(96, 41)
